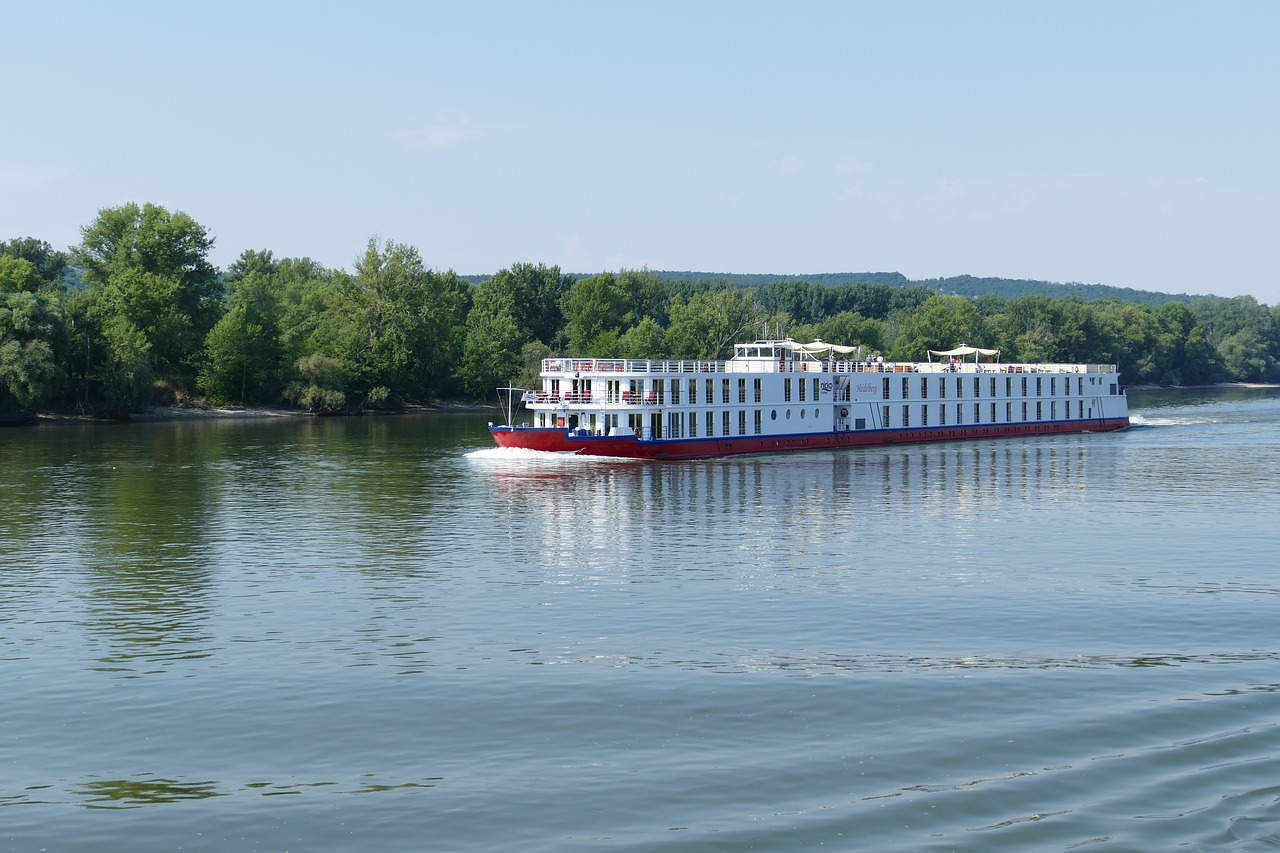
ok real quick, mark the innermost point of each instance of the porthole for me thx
(802, 413)
(788, 414)
(773, 415)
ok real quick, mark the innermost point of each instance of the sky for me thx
(1134, 143)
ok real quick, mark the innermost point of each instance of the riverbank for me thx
(185, 412)
(189, 412)
(1223, 385)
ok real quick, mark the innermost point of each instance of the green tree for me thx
(18, 274)
(47, 262)
(711, 322)
(646, 339)
(942, 322)
(393, 324)
(244, 354)
(320, 384)
(642, 296)
(150, 269)
(1245, 336)
(491, 354)
(536, 293)
(594, 311)
(29, 374)
(531, 356)
(851, 329)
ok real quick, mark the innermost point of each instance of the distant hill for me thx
(958, 285)
(896, 279)
(1006, 288)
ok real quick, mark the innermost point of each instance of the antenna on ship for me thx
(511, 392)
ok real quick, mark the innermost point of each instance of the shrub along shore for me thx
(136, 322)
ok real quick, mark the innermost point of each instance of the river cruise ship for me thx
(780, 395)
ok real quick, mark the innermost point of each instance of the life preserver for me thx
(844, 412)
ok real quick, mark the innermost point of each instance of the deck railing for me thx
(580, 367)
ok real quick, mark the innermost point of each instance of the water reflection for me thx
(602, 516)
(148, 790)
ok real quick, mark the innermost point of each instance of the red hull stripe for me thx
(558, 440)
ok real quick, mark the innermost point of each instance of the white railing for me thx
(630, 366)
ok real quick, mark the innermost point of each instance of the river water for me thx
(383, 634)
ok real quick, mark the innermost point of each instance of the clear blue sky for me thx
(1132, 143)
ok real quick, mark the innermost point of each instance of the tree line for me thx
(136, 314)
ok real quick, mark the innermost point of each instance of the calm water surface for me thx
(382, 634)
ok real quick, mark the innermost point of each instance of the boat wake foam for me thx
(523, 456)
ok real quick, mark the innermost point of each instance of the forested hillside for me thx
(960, 285)
(136, 314)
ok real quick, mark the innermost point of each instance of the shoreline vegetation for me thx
(209, 412)
(157, 413)
(135, 321)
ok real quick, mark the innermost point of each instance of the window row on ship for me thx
(739, 422)
(742, 390)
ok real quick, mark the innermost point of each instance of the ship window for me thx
(977, 387)
(977, 413)
(942, 387)
(693, 392)
(1080, 385)
(1053, 410)
(1113, 388)
(786, 390)
(884, 417)
(724, 421)
(924, 414)
(815, 389)
(859, 423)
(742, 422)
(1081, 414)
(742, 390)
(993, 412)
(924, 388)
(906, 414)
(773, 415)
(1053, 387)
(724, 389)
(802, 413)
(1039, 410)
(1039, 387)
(800, 384)
(959, 387)
(959, 413)
(757, 390)
(993, 386)
(942, 411)
(759, 421)
(884, 388)
(693, 424)
(1024, 411)
(711, 391)
(675, 391)
(1008, 386)
(905, 393)
(711, 424)
(1024, 388)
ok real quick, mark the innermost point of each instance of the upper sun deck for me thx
(787, 356)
